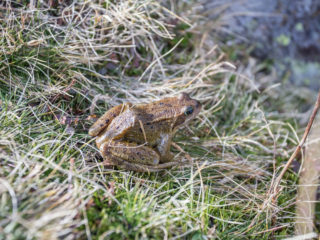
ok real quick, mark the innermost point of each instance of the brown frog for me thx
(138, 137)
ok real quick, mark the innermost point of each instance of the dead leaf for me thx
(34, 43)
(91, 117)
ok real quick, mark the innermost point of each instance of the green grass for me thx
(72, 61)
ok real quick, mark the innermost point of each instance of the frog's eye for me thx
(188, 111)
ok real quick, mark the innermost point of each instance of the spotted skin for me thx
(138, 137)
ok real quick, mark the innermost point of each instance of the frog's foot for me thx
(129, 152)
(107, 162)
(148, 168)
(167, 158)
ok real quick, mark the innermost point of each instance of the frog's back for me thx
(149, 124)
(156, 111)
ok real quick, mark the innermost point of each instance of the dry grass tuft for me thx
(60, 62)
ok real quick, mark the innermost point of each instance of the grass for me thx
(61, 64)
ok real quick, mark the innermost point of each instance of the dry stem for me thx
(308, 183)
(298, 148)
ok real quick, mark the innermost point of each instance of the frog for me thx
(138, 137)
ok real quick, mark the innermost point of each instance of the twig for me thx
(298, 148)
(188, 157)
(65, 90)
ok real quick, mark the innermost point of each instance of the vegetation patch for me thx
(61, 63)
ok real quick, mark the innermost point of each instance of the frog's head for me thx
(189, 109)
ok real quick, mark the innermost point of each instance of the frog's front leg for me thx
(163, 147)
(117, 152)
(106, 119)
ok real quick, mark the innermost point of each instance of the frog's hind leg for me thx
(106, 119)
(116, 161)
(116, 151)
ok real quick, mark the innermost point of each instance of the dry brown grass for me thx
(58, 63)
